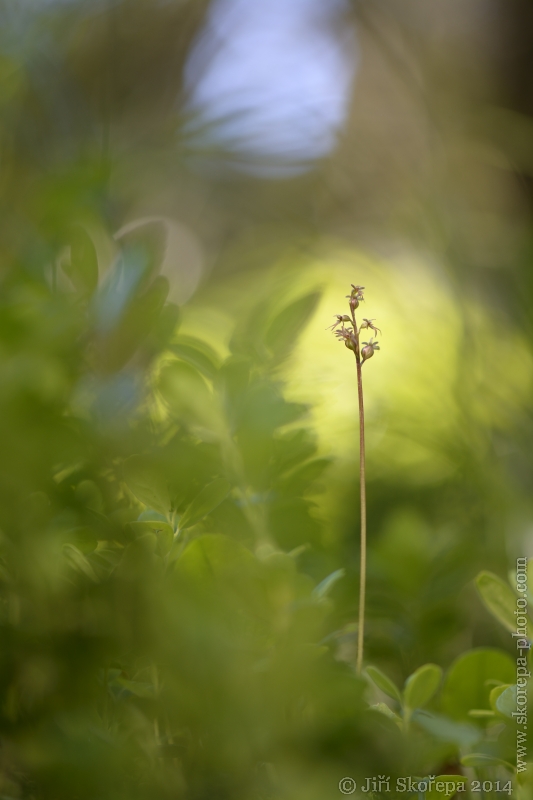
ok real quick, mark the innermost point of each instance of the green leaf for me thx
(459, 733)
(150, 515)
(233, 382)
(234, 376)
(325, 586)
(495, 693)
(140, 527)
(146, 480)
(115, 349)
(422, 685)
(79, 562)
(384, 683)
(499, 598)
(506, 701)
(383, 708)
(241, 590)
(481, 713)
(198, 354)
(466, 685)
(186, 392)
(299, 479)
(162, 530)
(214, 555)
(297, 551)
(204, 503)
(484, 760)
(284, 329)
(165, 326)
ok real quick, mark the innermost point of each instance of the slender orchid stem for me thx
(362, 494)
(350, 337)
(362, 489)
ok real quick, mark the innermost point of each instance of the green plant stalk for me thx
(362, 492)
(350, 337)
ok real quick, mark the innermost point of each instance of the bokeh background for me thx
(233, 159)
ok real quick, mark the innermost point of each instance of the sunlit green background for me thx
(179, 497)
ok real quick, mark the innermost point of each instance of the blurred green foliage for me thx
(178, 503)
(159, 637)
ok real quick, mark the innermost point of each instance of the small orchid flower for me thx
(369, 323)
(368, 350)
(354, 299)
(356, 296)
(348, 337)
(341, 319)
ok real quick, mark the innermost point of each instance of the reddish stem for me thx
(362, 491)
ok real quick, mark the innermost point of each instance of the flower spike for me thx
(346, 330)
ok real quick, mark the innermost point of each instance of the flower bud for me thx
(366, 353)
(357, 294)
(368, 350)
